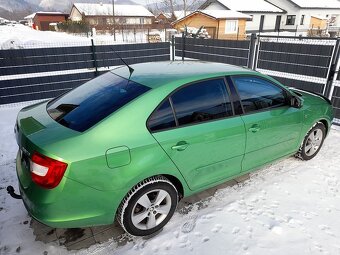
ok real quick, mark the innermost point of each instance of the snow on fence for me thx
(306, 63)
(38, 73)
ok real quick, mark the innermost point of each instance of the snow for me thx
(317, 3)
(178, 14)
(31, 16)
(226, 14)
(289, 207)
(2, 20)
(251, 6)
(20, 36)
(106, 10)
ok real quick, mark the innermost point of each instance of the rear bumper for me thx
(69, 205)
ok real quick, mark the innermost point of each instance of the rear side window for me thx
(162, 118)
(202, 101)
(86, 105)
(257, 93)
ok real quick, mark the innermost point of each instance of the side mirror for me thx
(296, 102)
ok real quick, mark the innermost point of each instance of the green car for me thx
(130, 146)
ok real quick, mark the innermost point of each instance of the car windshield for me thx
(86, 105)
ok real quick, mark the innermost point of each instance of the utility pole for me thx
(114, 20)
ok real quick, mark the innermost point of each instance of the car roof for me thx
(157, 74)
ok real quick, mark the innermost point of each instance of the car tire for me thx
(313, 141)
(148, 206)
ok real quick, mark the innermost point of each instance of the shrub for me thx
(70, 26)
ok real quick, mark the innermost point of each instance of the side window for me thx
(162, 118)
(257, 94)
(202, 101)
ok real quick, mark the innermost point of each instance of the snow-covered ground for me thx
(20, 36)
(290, 207)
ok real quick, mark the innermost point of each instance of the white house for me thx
(101, 15)
(299, 13)
(265, 16)
(283, 15)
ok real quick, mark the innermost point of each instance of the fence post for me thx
(183, 46)
(173, 48)
(251, 51)
(333, 72)
(134, 33)
(94, 57)
(148, 35)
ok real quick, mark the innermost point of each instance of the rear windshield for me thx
(86, 105)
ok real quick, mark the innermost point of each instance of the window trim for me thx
(227, 32)
(291, 19)
(168, 97)
(286, 93)
(302, 20)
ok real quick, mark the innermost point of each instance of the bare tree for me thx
(170, 6)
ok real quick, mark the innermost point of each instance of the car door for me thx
(272, 126)
(196, 127)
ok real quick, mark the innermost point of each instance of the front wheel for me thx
(148, 206)
(312, 142)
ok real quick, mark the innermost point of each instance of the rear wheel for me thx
(312, 142)
(148, 206)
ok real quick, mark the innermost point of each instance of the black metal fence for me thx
(224, 51)
(306, 63)
(38, 73)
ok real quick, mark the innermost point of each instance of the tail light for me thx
(46, 172)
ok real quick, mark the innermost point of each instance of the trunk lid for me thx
(34, 131)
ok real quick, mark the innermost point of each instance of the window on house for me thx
(231, 26)
(302, 19)
(290, 20)
(93, 21)
(109, 21)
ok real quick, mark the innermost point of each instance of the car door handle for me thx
(180, 146)
(254, 128)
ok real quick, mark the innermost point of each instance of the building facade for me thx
(265, 16)
(282, 15)
(301, 15)
(220, 24)
(100, 16)
(42, 20)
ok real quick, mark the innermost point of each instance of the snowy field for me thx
(20, 36)
(290, 207)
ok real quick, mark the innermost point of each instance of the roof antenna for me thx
(130, 68)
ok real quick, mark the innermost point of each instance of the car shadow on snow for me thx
(83, 238)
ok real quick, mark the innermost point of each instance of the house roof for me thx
(246, 5)
(317, 4)
(319, 17)
(128, 10)
(178, 14)
(226, 14)
(31, 16)
(219, 14)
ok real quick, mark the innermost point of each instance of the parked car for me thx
(129, 147)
